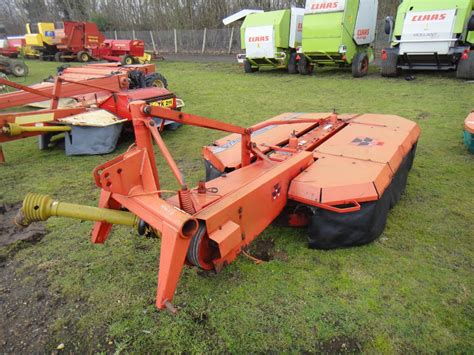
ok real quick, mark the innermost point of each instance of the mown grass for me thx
(410, 291)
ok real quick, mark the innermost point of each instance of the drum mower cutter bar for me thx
(273, 162)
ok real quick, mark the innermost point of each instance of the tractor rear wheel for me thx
(389, 68)
(292, 64)
(248, 67)
(305, 67)
(127, 60)
(360, 65)
(83, 57)
(156, 80)
(18, 68)
(465, 68)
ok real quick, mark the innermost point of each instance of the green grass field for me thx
(410, 291)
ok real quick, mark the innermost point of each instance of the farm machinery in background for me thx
(338, 175)
(431, 35)
(87, 105)
(338, 33)
(269, 38)
(82, 42)
(7, 48)
(14, 46)
(8, 54)
(40, 38)
(324, 33)
(13, 66)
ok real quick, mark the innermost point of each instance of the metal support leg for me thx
(172, 259)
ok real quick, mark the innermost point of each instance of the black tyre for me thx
(248, 67)
(18, 68)
(156, 80)
(305, 67)
(127, 60)
(389, 67)
(292, 64)
(83, 57)
(360, 65)
(465, 68)
(42, 57)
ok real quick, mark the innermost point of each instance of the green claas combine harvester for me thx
(338, 33)
(270, 39)
(431, 35)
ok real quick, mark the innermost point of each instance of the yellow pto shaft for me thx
(13, 129)
(38, 207)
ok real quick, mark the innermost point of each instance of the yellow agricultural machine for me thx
(39, 40)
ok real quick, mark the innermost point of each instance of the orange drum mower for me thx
(339, 175)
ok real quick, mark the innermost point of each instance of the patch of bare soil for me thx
(26, 304)
(27, 307)
(264, 249)
(30, 307)
(10, 233)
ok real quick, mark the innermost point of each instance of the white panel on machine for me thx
(239, 16)
(321, 6)
(296, 27)
(364, 31)
(3, 43)
(428, 32)
(260, 42)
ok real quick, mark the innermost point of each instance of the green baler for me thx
(338, 33)
(269, 38)
(431, 35)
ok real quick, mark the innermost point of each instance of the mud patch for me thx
(28, 309)
(10, 233)
(36, 318)
(200, 318)
(262, 249)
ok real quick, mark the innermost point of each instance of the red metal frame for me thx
(116, 101)
(131, 181)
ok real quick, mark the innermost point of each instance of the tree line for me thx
(142, 14)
